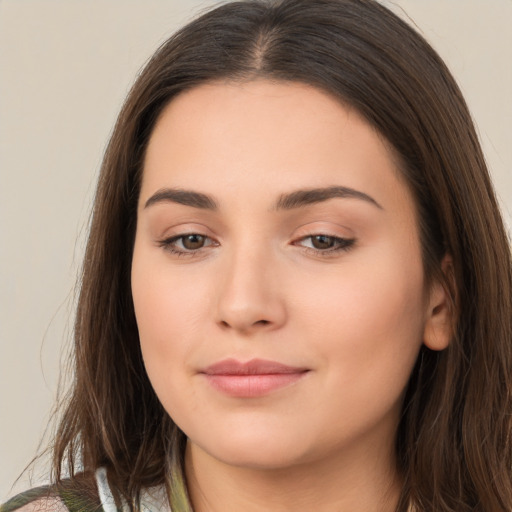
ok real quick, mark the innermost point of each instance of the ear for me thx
(440, 320)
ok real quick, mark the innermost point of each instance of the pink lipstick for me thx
(254, 378)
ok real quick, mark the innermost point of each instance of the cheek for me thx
(368, 323)
(170, 313)
(164, 308)
(167, 299)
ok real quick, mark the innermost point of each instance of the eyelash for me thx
(343, 244)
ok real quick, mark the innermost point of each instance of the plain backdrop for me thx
(65, 67)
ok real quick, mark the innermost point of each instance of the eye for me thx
(193, 241)
(188, 244)
(325, 245)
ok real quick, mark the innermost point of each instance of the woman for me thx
(297, 288)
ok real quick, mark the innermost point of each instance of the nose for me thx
(251, 298)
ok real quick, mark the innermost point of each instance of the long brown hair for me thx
(453, 442)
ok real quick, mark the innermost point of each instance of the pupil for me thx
(193, 241)
(322, 242)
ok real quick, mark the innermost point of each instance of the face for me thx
(277, 275)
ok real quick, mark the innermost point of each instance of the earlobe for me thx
(439, 324)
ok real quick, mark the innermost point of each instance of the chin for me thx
(256, 450)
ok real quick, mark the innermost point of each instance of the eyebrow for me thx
(304, 197)
(288, 201)
(180, 196)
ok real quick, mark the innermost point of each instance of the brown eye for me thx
(187, 245)
(326, 245)
(322, 241)
(193, 241)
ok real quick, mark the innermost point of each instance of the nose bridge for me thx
(249, 293)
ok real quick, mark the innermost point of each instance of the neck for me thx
(365, 482)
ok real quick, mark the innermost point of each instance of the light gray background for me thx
(65, 67)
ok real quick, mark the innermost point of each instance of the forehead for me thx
(275, 135)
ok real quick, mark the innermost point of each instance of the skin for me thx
(255, 287)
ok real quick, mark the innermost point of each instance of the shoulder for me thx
(84, 493)
(33, 501)
(71, 495)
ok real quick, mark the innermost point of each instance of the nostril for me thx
(258, 322)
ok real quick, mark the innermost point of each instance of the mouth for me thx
(251, 379)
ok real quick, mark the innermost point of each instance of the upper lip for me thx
(252, 367)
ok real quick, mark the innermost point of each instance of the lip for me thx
(254, 378)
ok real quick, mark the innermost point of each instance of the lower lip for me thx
(251, 386)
